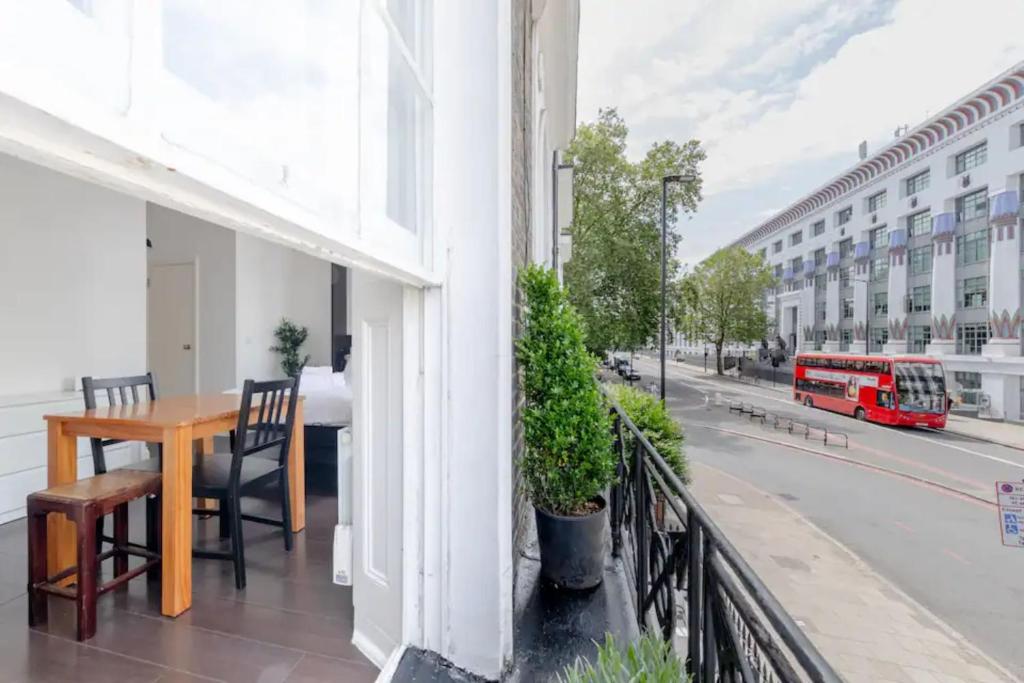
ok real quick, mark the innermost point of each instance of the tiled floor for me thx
(290, 624)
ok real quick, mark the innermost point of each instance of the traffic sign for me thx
(1010, 499)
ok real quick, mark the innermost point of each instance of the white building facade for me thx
(261, 143)
(916, 249)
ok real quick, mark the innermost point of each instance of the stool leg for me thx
(85, 596)
(120, 539)
(36, 568)
(153, 533)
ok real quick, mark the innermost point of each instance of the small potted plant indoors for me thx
(290, 338)
(569, 461)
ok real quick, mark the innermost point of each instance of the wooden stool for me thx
(83, 502)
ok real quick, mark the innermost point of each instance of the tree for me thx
(613, 279)
(721, 298)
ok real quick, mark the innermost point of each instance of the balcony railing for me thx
(736, 630)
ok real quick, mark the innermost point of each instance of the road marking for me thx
(955, 556)
(901, 525)
(928, 483)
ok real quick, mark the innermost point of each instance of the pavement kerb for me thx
(940, 623)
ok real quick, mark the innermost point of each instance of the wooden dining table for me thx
(184, 425)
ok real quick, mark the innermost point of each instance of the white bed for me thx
(328, 397)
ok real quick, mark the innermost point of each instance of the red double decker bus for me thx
(893, 390)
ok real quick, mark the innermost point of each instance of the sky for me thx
(781, 92)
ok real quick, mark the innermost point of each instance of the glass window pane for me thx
(407, 121)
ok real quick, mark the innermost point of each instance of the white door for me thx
(171, 340)
(377, 432)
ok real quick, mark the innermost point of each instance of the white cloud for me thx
(767, 86)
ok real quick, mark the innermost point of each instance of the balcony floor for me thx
(291, 623)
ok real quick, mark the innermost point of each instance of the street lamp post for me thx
(676, 178)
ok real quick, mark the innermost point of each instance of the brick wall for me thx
(522, 107)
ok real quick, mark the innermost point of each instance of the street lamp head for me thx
(679, 178)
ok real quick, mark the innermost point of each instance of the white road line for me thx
(684, 377)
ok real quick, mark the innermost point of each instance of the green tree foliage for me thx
(614, 276)
(721, 299)
(649, 660)
(652, 418)
(569, 459)
(290, 338)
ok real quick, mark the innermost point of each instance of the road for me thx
(916, 505)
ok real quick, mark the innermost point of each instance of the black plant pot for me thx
(572, 549)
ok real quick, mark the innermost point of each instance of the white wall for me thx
(72, 303)
(179, 238)
(275, 282)
(72, 280)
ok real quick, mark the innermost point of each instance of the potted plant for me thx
(290, 338)
(650, 659)
(569, 461)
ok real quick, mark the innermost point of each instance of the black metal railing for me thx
(735, 629)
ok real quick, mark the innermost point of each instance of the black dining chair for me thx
(124, 391)
(258, 457)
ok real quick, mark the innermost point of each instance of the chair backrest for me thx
(270, 430)
(120, 391)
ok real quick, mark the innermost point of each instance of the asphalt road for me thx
(916, 505)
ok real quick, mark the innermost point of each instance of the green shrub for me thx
(653, 419)
(649, 660)
(569, 459)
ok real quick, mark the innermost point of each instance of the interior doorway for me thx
(171, 328)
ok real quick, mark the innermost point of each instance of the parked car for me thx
(631, 375)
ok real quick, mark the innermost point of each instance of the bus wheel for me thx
(859, 413)
(809, 402)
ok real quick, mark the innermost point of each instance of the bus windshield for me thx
(920, 387)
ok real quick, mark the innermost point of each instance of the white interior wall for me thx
(73, 303)
(179, 238)
(274, 282)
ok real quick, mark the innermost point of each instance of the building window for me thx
(879, 238)
(919, 224)
(819, 257)
(916, 183)
(879, 268)
(881, 301)
(844, 216)
(763, 253)
(847, 308)
(969, 384)
(796, 238)
(777, 247)
(970, 337)
(972, 206)
(798, 265)
(846, 248)
(876, 202)
(818, 228)
(819, 311)
(971, 158)
(845, 339)
(844, 277)
(921, 299)
(972, 247)
(972, 292)
(778, 270)
(921, 260)
(920, 338)
(879, 338)
(820, 283)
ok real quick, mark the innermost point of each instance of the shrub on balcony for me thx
(653, 419)
(568, 461)
(650, 659)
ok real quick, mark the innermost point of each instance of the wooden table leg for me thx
(61, 468)
(176, 526)
(203, 447)
(297, 472)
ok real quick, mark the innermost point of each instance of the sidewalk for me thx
(867, 628)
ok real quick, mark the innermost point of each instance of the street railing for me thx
(736, 630)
